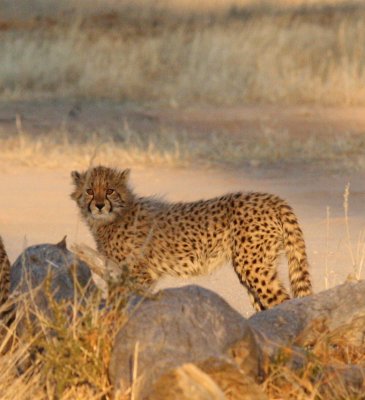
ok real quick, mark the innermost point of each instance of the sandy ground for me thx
(36, 208)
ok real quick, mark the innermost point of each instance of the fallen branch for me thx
(105, 271)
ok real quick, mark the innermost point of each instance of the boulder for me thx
(338, 312)
(45, 273)
(179, 335)
(54, 261)
(175, 327)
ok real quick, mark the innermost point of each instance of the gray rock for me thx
(46, 270)
(339, 311)
(37, 262)
(177, 326)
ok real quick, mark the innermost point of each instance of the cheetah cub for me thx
(155, 238)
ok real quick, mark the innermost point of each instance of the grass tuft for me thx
(63, 353)
(179, 149)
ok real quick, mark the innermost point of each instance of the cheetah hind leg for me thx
(264, 287)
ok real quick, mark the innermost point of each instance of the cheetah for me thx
(155, 238)
(4, 277)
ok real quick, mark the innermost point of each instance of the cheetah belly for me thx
(212, 263)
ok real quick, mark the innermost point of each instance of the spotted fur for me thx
(158, 238)
(4, 275)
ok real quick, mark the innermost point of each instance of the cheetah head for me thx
(101, 193)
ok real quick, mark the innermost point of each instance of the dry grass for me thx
(169, 148)
(26, 8)
(304, 55)
(67, 358)
(63, 357)
(327, 373)
(174, 53)
(58, 149)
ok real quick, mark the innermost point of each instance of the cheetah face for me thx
(101, 193)
(101, 202)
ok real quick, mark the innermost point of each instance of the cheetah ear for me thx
(124, 175)
(79, 182)
(76, 177)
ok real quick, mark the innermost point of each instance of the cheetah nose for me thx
(99, 205)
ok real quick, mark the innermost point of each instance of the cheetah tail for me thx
(4, 275)
(295, 250)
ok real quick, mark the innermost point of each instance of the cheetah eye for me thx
(110, 191)
(90, 192)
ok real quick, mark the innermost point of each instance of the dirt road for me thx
(75, 116)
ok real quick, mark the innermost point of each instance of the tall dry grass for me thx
(58, 357)
(311, 55)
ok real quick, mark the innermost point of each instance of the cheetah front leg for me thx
(133, 279)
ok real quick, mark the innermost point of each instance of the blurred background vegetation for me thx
(183, 52)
